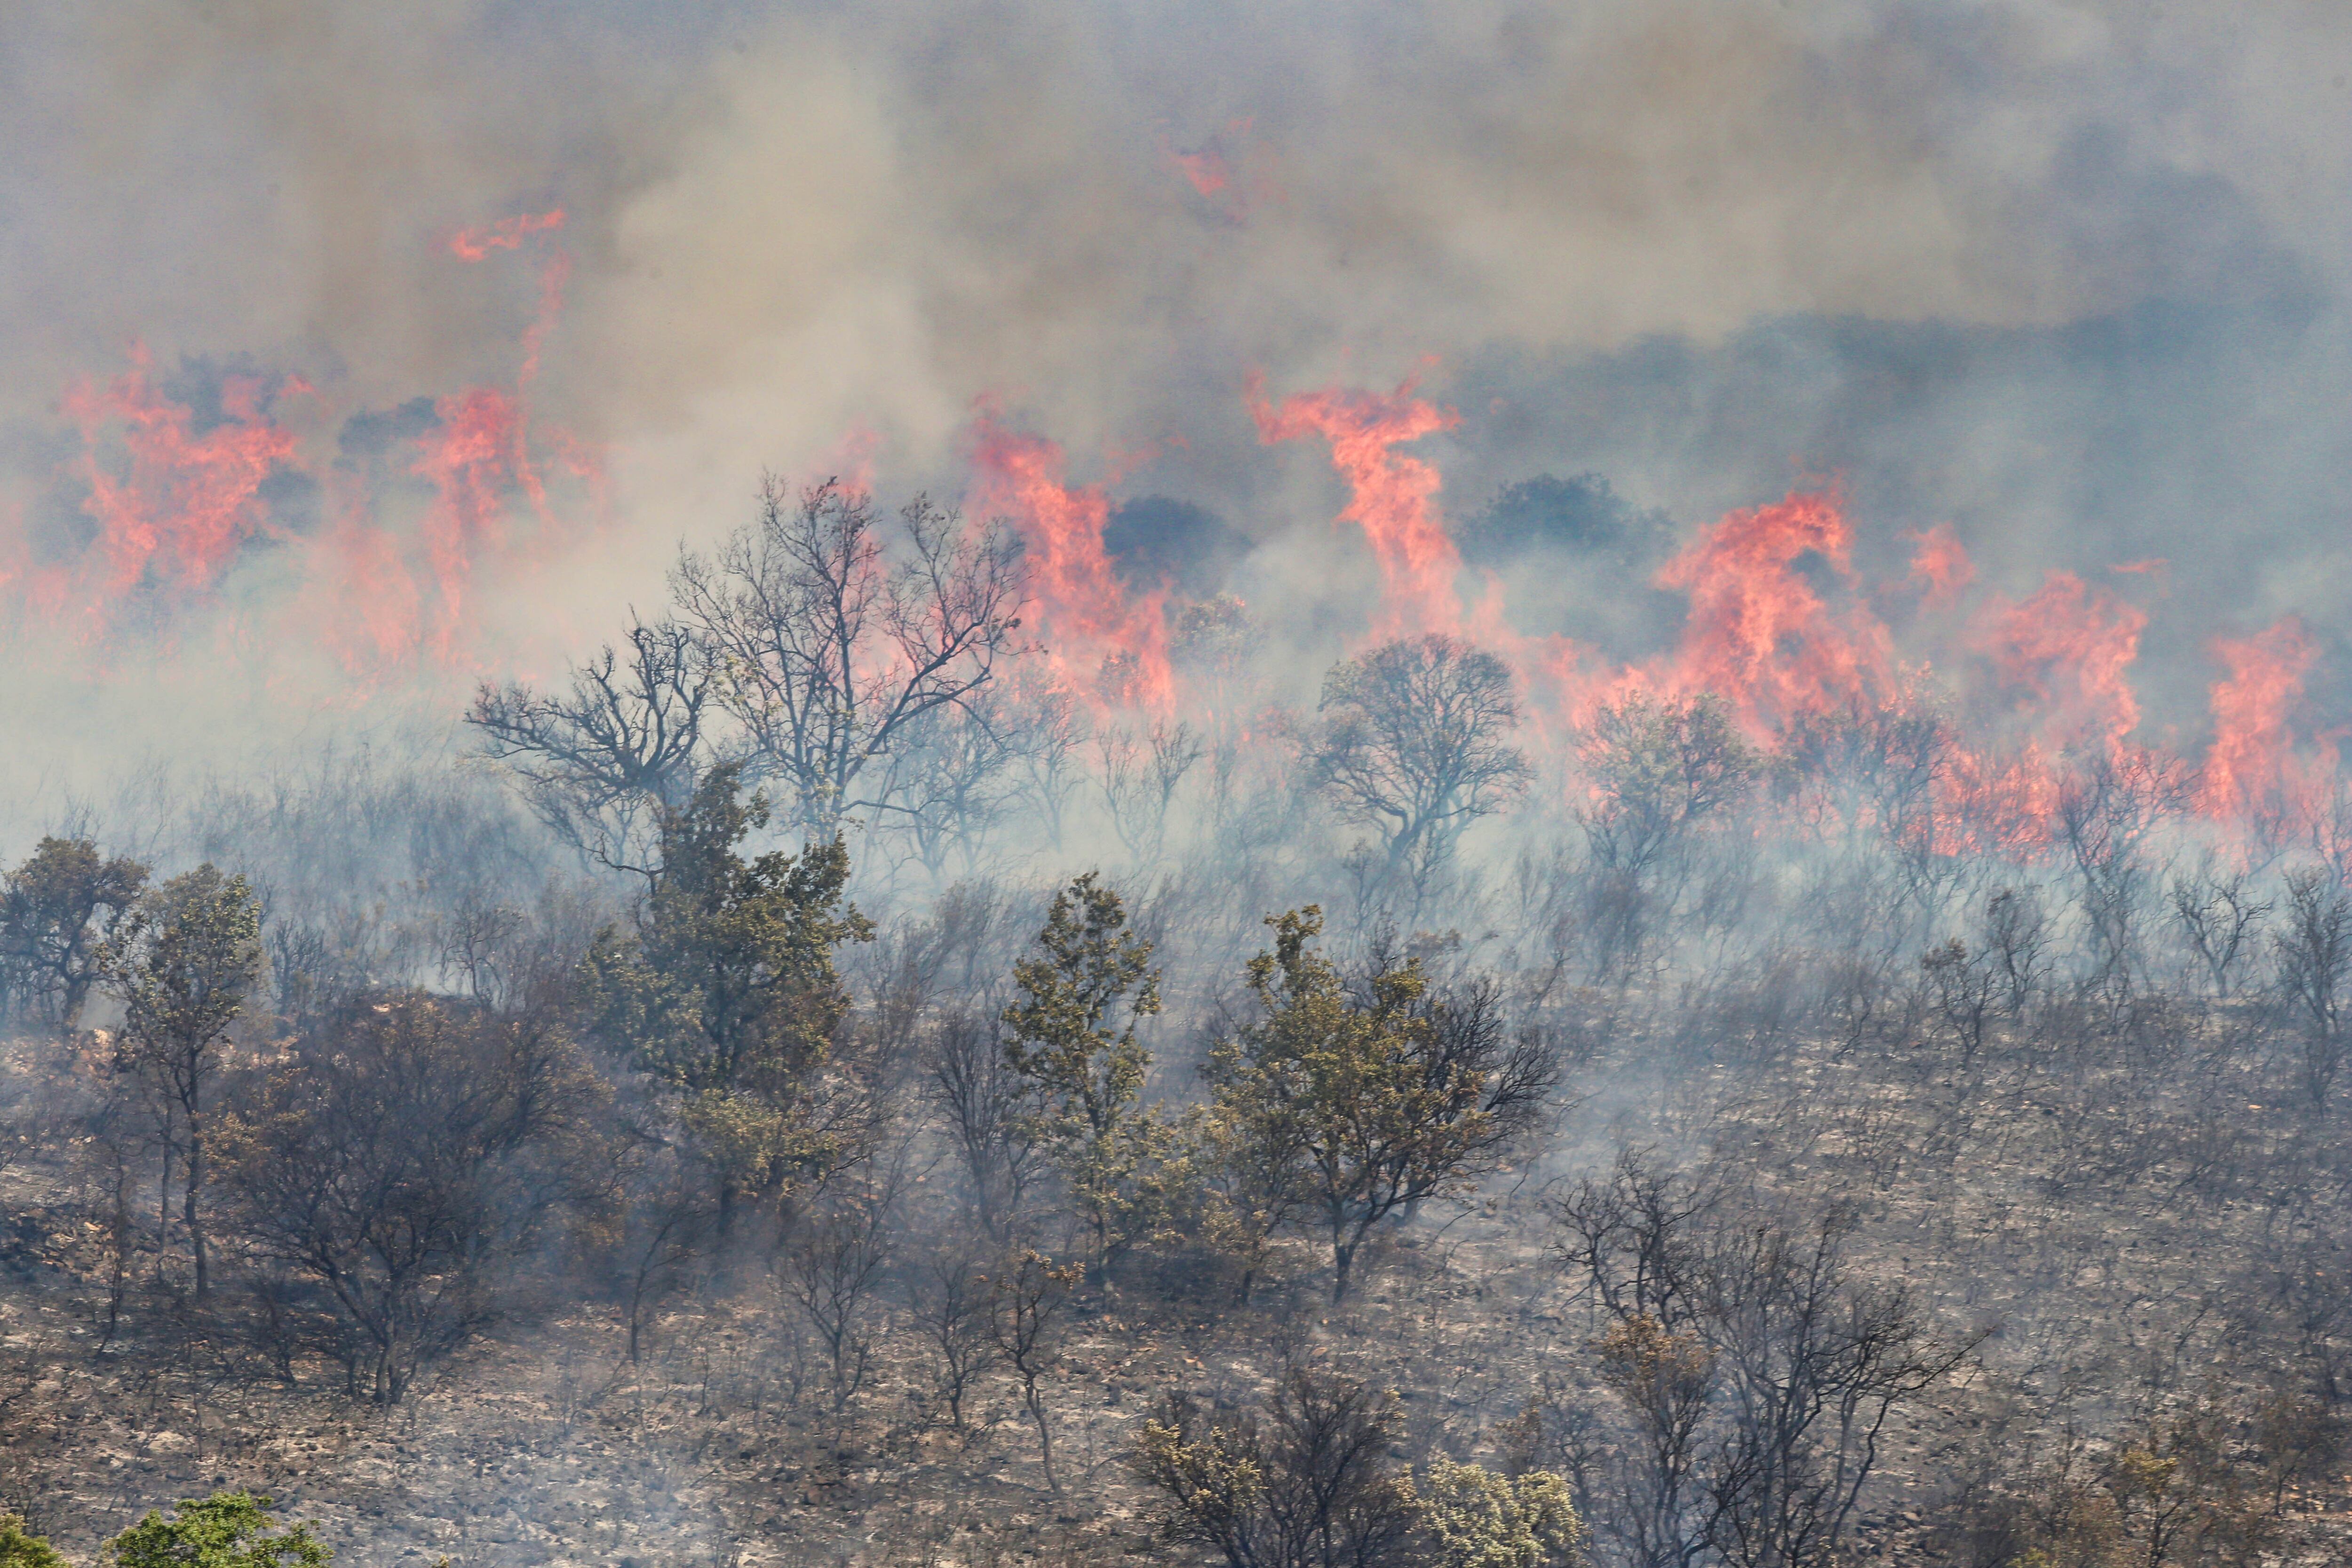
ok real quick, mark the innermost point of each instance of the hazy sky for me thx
(2070, 278)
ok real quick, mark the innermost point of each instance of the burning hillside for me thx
(263, 519)
(366, 529)
(1416, 786)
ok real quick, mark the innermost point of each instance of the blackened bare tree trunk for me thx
(2314, 952)
(1029, 1294)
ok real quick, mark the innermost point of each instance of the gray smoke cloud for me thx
(2067, 277)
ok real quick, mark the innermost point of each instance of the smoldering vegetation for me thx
(821, 1084)
(956, 1039)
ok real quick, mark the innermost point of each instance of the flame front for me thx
(1780, 623)
(1105, 642)
(172, 507)
(178, 499)
(1393, 497)
(2251, 768)
(1757, 635)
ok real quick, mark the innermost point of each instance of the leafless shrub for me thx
(2016, 946)
(1758, 1366)
(1028, 1304)
(394, 1160)
(2220, 918)
(2107, 807)
(950, 1300)
(1139, 778)
(2313, 951)
(831, 648)
(1415, 745)
(626, 741)
(665, 1230)
(832, 1268)
(1962, 990)
(985, 1104)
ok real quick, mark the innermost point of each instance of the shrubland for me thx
(825, 1086)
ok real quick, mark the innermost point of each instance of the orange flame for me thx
(479, 457)
(476, 455)
(1940, 564)
(1999, 804)
(173, 508)
(1204, 169)
(1393, 497)
(1757, 634)
(1104, 641)
(176, 500)
(2252, 765)
(2070, 645)
(1230, 172)
(507, 234)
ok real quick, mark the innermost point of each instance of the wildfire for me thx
(1393, 497)
(2252, 766)
(1229, 173)
(2072, 648)
(507, 234)
(1757, 634)
(1779, 624)
(1104, 641)
(1205, 169)
(178, 498)
(171, 506)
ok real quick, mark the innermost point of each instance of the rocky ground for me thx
(2122, 1249)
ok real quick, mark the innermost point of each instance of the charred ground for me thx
(1790, 1192)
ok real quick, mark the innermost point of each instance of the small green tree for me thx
(1347, 1108)
(1471, 1517)
(57, 912)
(226, 1530)
(183, 963)
(1071, 1034)
(727, 986)
(2314, 960)
(19, 1548)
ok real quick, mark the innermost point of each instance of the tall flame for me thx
(177, 498)
(1778, 623)
(1757, 634)
(2252, 765)
(476, 454)
(2071, 647)
(174, 507)
(1105, 642)
(1393, 497)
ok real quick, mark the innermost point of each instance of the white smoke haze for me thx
(361, 357)
(1680, 246)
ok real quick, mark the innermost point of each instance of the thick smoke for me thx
(1786, 561)
(2064, 281)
